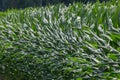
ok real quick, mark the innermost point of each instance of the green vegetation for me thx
(8, 4)
(78, 42)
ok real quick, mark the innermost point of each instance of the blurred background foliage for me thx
(8, 4)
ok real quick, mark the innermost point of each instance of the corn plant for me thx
(75, 42)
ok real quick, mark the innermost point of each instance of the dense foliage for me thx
(78, 42)
(7, 4)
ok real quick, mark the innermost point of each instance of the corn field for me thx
(75, 42)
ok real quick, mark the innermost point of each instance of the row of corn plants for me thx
(75, 42)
